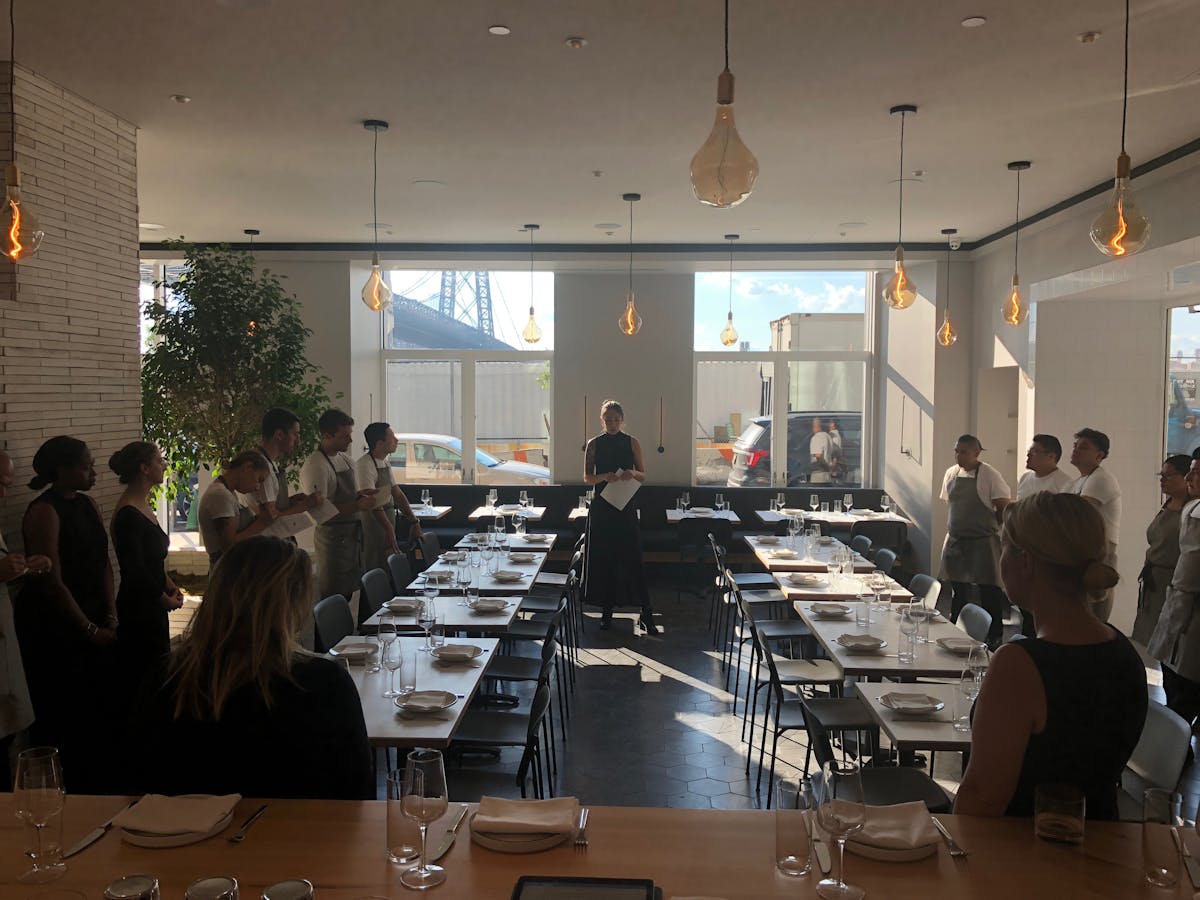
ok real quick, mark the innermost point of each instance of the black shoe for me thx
(646, 623)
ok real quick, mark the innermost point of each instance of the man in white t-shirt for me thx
(1097, 485)
(379, 524)
(1041, 461)
(280, 436)
(820, 452)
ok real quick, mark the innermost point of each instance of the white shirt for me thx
(268, 491)
(821, 444)
(218, 502)
(1031, 483)
(1103, 488)
(368, 468)
(988, 482)
(319, 473)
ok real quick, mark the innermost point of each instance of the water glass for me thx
(814, 502)
(403, 833)
(388, 657)
(424, 801)
(426, 617)
(862, 613)
(825, 506)
(833, 570)
(426, 497)
(907, 651)
(582, 501)
(519, 525)
(39, 798)
(408, 668)
(1161, 840)
(687, 499)
(1058, 813)
(437, 631)
(491, 498)
(793, 847)
(679, 505)
(885, 502)
(774, 505)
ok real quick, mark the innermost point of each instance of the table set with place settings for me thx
(801, 554)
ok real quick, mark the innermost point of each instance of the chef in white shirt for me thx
(821, 449)
(1042, 471)
(330, 472)
(280, 435)
(1097, 485)
(379, 523)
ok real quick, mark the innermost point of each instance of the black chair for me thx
(491, 728)
(376, 591)
(401, 571)
(428, 548)
(334, 621)
(884, 560)
(695, 537)
(893, 535)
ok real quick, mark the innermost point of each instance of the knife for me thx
(824, 861)
(94, 835)
(448, 840)
(1189, 862)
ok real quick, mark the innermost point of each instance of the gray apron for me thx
(16, 710)
(281, 492)
(1175, 641)
(1162, 536)
(338, 542)
(971, 553)
(375, 545)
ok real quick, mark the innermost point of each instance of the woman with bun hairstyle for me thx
(1068, 705)
(67, 618)
(147, 593)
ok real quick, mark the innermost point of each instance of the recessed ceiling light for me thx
(150, 226)
(499, 29)
(918, 173)
(974, 21)
(850, 226)
(607, 226)
(575, 42)
(181, 98)
(428, 184)
(1088, 37)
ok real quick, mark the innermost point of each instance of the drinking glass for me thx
(519, 524)
(907, 651)
(1161, 840)
(833, 569)
(1058, 813)
(825, 506)
(780, 500)
(426, 617)
(793, 800)
(403, 834)
(841, 813)
(793, 529)
(885, 502)
(969, 683)
(814, 502)
(774, 505)
(583, 501)
(389, 653)
(679, 505)
(491, 498)
(862, 611)
(425, 800)
(426, 497)
(39, 798)
(486, 556)
(464, 578)
(687, 500)
(719, 502)
(847, 501)
(524, 499)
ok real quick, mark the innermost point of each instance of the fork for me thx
(581, 840)
(955, 850)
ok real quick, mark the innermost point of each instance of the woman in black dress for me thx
(147, 593)
(67, 618)
(612, 568)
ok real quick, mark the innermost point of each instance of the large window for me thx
(804, 355)
(1183, 382)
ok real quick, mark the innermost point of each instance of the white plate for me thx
(355, 653)
(454, 555)
(767, 539)
(476, 538)
(438, 701)
(853, 646)
(911, 704)
(826, 541)
(505, 576)
(889, 854)
(958, 646)
(538, 538)
(805, 579)
(444, 652)
(488, 606)
(408, 607)
(830, 610)
(522, 557)
(165, 841)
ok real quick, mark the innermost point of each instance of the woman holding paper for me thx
(223, 520)
(612, 565)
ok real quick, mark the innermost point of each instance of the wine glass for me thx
(464, 578)
(719, 502)
(909, 626)
(687, 500)
(427, 615)
(491, 498)
(525, 499)
(426, 497)
(425, 800)
(885, 502)
(793, 529)
(841, 813)
(847, 501)
(389, 653)
(813, 502)
(39, 797)
(969, 684)
(486, 555)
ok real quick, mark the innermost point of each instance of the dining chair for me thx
(893, 535)
(861, 544)
(884, 560)
(401, 572)
(376, 591)
(334, 621)
(505, 669)
(1157, 761)
(430, 548)
(493, 728)
(975, 621)
(926, 588)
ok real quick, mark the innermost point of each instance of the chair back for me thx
(818, 739)
(1160, 754)
(334, 621)
(861, 544)
(430, 549)
(975, 621)
(376, 591)
(884, 559)
(695, 533)
(537, 710)
(893, 535)
(401, 571)
(925, 587)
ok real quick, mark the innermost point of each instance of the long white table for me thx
(934, 731)
(456, 618)
(531, 513)
(819, 556)
(486, 583)
(514, 542)
(429, 513)
(844, 588)
(675, 516)
(839, 519)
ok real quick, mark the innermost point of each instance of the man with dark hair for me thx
(1097, 485)
(379, 524)
(330, 472)
(976, 493)
(280, 437)
(1041, 459)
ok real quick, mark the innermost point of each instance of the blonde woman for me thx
(1068, 705)
(243, 707)
(222, 517)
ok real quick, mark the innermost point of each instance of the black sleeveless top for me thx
(141, 548)
(82, 553)
(1095, 708)
(613, 451)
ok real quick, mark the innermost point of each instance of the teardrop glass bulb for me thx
(375, 293)
(20, 234)
(630, 322)
(900, 292)
(729, 334)
(533, 332)
(946, 335)
(1016, 310)
(1121, 228)
(723, 169)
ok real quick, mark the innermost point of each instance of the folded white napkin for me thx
(521, 557)
(860, 641)
(499, 816)
(158, 814)
(701, 510)
(477, 538)
(782, 553)
(456, 651)
(909, 702)
(454, 555)
(508, 575)
(439, 577)
(401, 605)
(425, 701)
(830, 609)
(899, 827)
(489, 604)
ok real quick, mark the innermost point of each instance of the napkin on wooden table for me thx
(902, 826)
(425, 701)
(456, 652)
(499, 816)
(158, 814)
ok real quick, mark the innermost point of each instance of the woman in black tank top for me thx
(1067, 706)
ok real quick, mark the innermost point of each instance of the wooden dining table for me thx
(339, 847)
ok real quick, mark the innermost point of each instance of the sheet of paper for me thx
(324, 512)
(287, 526)
(619, 493)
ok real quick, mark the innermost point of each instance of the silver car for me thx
(437, 459)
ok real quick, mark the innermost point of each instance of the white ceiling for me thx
(515, 126)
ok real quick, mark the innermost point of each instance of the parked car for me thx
(752, 450)
(437, 458)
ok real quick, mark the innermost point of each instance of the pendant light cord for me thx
(12, 79)
(631, 246)
(1125, 88)
(900, 226)
(375, 188)
(727, 35)
(948, 248)
(731, 277)
(531, 269)
(1017, 226)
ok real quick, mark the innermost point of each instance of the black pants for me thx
(1183, 694)
(991, 598)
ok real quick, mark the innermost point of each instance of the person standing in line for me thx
(330, 472)
(1162, 552)
(379, 524)
(280, 437)
(1098, 486)
(1042, 471)
(1175, 640)
(977, 493)
(820, 454)
(16, 709)
(223, 520)
(613, 565)
(837, 466)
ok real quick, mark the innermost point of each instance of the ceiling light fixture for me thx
(500, 30)
(1121, 229)
(974, 21)
(575, 42)
(20, 234)
(946, 335)
(729, 334)
(630, 322)
(533, 332)
(181, 98)
(251, 233)
(900, 292)
(1016, 310)
(724, 169)
(375, 293)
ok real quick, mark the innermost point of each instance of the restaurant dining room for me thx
(444, 448)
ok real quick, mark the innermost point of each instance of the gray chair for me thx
(975, 621)
(401, 571)
(489, 728)
(376, 591)
(1157, 760)
(893, 535)
(884, 559)
(430, 548)
(925, 587)
(861, 544)
(334, 621)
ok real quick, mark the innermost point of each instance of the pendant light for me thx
(630, 322)
(20, 234)
(1121, 228)
(946, 335)
(375, 293)
(729, 334)
(1016, 310)
(724, 169)
(900, 292)
(533, 332)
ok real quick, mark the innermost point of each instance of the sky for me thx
(759, 297)
(1185, 332)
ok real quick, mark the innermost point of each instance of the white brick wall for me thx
(69, 340)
